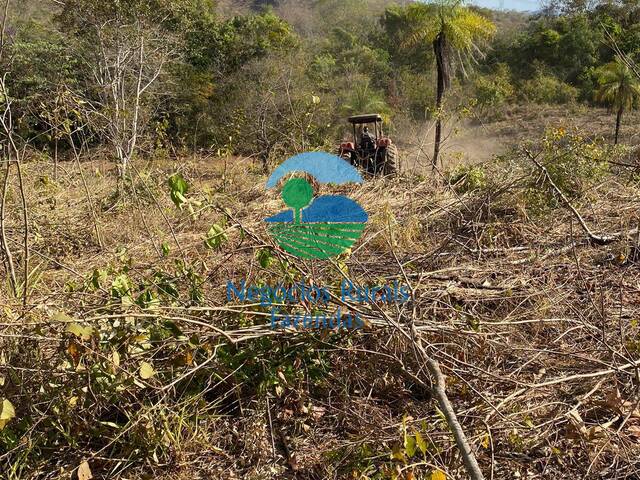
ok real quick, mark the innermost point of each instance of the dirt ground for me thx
(473, 141)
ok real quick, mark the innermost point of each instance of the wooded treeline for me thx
(277, 77)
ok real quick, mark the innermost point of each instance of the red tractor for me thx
(373, 152)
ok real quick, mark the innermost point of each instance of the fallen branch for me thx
(597, 239)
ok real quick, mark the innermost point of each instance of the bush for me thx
(467, 178)
(495, 89)
(414, 93)
(574, 163)
(547, 89)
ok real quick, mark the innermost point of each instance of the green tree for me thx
(618, 87)
(213, 82)
(39, 64)
(455, 32)
(495, 89)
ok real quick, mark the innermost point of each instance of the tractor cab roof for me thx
(369, 118)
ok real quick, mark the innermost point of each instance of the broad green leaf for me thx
(178, 186)
(410, 445)
(177, 183)
(7, 413)
(165, 249)
(421, 443)
(146, 370)
(215, 237)
(83, 333)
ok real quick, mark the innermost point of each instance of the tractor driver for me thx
(367, 141)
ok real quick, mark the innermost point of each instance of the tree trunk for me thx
(618, 119)
(440, 51)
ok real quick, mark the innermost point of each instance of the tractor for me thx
(373, 152)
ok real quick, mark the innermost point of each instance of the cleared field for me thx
(132, 354)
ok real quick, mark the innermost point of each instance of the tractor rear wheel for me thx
(390, 166)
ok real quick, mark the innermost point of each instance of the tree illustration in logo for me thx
(320, 227)
(297, 194)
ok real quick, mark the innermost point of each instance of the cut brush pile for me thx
(129, 361)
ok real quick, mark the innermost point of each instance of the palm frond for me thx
(466, 31)
(618, 85)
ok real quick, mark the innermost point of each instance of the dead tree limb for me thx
(438, 389)
(7, 128)
(439, 392)
(597, 239)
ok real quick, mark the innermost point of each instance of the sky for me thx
(520, 5)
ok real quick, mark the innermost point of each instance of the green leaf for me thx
(265, 258)
(146, 370)
(173, 328)
(84, 333)
(397, 453)
(120, 287)
(97, 278)
(177, 183)
(7, 413)
(410, 445)
(178, 188)
(165, 249)
(147, 299)
(421, 443)
(216, 236)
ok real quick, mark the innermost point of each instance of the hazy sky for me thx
(521, 5)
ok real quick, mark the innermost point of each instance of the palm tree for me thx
(363, 99)
(455, 32)
(619, 87)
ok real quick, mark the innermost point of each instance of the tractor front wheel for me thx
(348, 156)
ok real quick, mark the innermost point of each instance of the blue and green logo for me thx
(321, 227)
